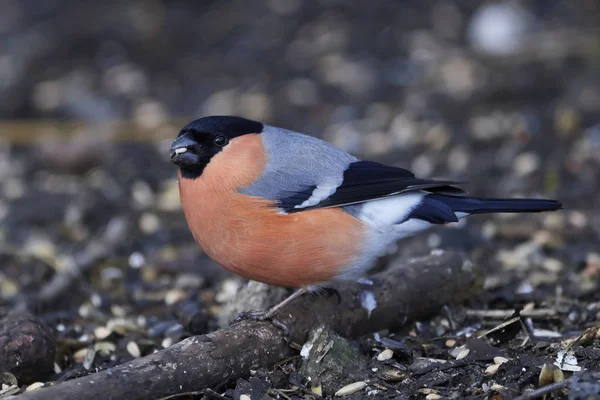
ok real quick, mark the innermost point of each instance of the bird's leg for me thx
(326, 291)
(273, 311)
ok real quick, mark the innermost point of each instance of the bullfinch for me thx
(291, 210)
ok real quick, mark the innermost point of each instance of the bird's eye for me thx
(221, 140)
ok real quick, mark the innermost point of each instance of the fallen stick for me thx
(411, 291)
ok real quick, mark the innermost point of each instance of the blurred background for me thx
(502, 94)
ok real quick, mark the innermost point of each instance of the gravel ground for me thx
(505, 96)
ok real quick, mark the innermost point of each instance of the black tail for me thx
(474, 205)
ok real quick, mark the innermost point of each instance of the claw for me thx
(263, 316)
(254, 315)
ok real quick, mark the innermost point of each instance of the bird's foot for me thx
(253, 315)
(263, 316)
(270, 314)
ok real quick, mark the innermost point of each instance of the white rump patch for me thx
(383, 214)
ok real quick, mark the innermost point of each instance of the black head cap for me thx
(201, 139)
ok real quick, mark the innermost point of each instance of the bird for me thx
(291, 210)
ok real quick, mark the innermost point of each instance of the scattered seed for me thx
(546, 375)
(450, 343)
(167, 342)
(79, 355)
(492, 369)
(558, 375)
(117, 311)
(385, 355)
(102, 332)
(456, 350)
(134, 349)
(245, 397)
(174, 296)
(351, 388)
(433, 396)
(393, 375)
(34, 386)
(500, 360)
(427, 391)
(464, 353)
(85, 310)
(105, 348)
(121, 325)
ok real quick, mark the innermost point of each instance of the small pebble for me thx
(245, 397)
(433, 396)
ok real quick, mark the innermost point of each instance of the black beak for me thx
(181, 149)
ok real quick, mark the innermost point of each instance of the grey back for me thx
(297, 163)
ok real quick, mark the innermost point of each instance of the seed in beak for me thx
(180, 150)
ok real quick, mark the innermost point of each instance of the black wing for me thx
(367, 180)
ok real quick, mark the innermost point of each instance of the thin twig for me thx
(539, 313)
(553, 387)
